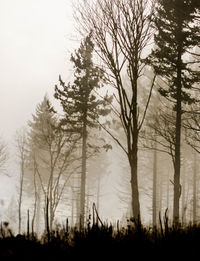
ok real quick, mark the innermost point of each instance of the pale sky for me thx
(35, 46)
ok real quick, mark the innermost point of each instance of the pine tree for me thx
(177, 35)
(80, 103)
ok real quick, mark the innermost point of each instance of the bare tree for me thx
(121, 30)
(52, 157)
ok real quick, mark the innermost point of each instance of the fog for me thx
(34, 34)
(37, 38)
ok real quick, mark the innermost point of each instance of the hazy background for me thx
(37, 38)
(34, 49)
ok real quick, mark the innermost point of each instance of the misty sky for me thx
(37, 38)
(35, 46)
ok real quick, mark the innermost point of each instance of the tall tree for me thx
(121, 31)
(177, 34)
(81, 106)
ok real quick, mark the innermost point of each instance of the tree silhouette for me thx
(177, 34)
(81, 106)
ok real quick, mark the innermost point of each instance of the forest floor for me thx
(104, 243)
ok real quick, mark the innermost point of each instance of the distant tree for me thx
(3, 154)
(81, 106)
(121, 31)
(51, 151)
(21, 144)
(155, 176)
(158, 136)
(177, 34)
(192, 135)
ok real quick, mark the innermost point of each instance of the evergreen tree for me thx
(80, 103)
(177, 34)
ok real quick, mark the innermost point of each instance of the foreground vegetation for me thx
(103, 242)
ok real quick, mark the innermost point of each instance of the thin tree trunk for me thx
(195, 189)
(78, 205)
(87, 202)
(38, 209)
(20, 194)
(35, 202)
(50, 199)
(160, 194)
(28, 231)
(98, 191)
(183, 196)
(177, 166)
(154, 201)
(167, 190)
(83, 175)
(47, 219)
(72, 202)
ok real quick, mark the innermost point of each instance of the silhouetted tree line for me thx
(106, 241)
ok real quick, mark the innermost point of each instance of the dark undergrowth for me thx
(134, 242)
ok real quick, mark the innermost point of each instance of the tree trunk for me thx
(154, 201)
(83, 176)
(134, 185)
(35, 201)
(183, 197)
(72, 212)
(50, 197)
(177, 167)
(135, 193)
(195, 189)
(38, 208)
(20, 194)
(98, 191)
(160, 194)
(167, 203)
(133, 152)
(72, 202)
(177, 164)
